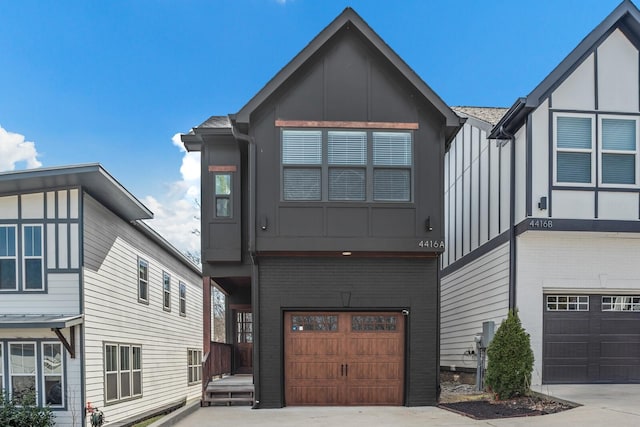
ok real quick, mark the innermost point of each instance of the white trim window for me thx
(621, 303)
(166, 291)
(194, 365)
(53, 374)
(143, 281)
(183, 299)
(8, 258)
(122, 372)
(23, 371)
(618, 151)
(574, 145)
(32, 260)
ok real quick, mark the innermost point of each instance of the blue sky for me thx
(114, 81)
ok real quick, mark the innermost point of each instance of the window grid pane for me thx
(619, 134)
(347, 184)
(574, 133)
(621, 303)
(143, 280)
(301, 184)
(52, 370)
(301, 147)
(392, 185)
(347, 148)
(392, 149)
(573, 167)
(166, 289)
(22, 368)
(618, 168)
(223, 184)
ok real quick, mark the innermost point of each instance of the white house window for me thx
(8, 258)
(183, 299)
(347, 165)
(194, 365)
(621, 303)
(574, 145)
(52, 373)
(32, 258)
(123, 371)
(567, 303)
(166, 291)
(143, 280)
(618, 151)
(22, 371)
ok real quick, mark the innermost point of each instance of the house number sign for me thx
(431, 244)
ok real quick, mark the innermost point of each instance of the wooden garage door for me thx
(591, 339)
(334, 358)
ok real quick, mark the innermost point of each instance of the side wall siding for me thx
(373, 284)
(114, 315)
(475, 293)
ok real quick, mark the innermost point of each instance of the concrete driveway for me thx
(603, 405)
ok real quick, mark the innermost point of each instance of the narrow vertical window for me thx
(111, 372)
(574, 150)
(347, 159)
(125, 371)
(22, 372)
(223, 195)
(166, 291)
(136, 370)
(143, 280)
(32, 251)
(52, 372)
(183, 299)
(1, 368)
(8, 259)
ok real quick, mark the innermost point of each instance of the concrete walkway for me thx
(603, 405)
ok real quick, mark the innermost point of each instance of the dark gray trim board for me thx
(477, 253)
(594, 225)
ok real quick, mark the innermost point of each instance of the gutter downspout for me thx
(255, 283)
(512, 219)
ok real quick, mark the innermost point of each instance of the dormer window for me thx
(347, 165)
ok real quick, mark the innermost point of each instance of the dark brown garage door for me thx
(334, 358)
(591, 339)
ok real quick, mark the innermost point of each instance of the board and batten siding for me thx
(473, 294)
(605, 84)
(477, 190)
(571, 263)
(114, 315)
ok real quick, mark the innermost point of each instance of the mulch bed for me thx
(518, 407)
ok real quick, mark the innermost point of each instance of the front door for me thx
(344, 358)
(243, 341)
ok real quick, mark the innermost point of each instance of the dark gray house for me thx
(322, 221)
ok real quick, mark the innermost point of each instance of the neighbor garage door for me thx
(591, 339)
(337, 358)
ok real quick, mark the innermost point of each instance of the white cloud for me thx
(176, 212)
(14, 149)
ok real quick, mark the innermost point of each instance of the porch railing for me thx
(216, 362)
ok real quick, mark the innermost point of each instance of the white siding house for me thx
(95, 307)
(566, 188)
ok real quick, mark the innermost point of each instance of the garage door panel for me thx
(359, 362)
(595, 346)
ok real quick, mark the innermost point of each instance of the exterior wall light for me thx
(346, 253)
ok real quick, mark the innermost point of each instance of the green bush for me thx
(24, 413)
(510, 359)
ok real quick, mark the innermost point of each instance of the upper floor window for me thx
(223, 195)
(32, 258)
(183, 299)
(166, 291)
(143, 280)
(8, 258)
(579, 153)
(346, 165)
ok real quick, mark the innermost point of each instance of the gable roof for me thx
(349, 17)
(626, 17)
(490, 115)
